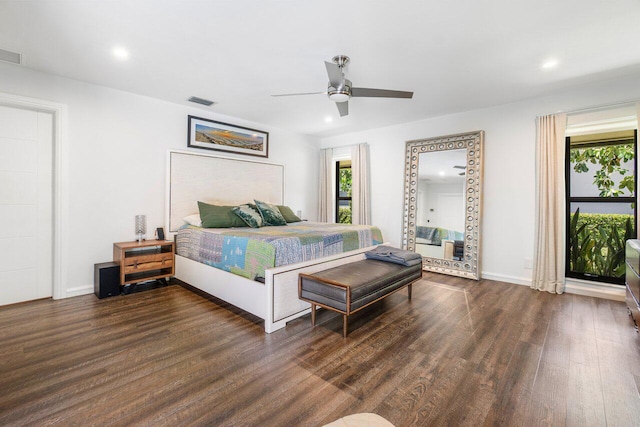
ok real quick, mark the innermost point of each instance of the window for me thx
(601, 204)
(343, 191)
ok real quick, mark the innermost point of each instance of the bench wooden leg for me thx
(313, 315)
(409, 288)
(344, 325)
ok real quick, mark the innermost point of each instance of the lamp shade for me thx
(141, 227)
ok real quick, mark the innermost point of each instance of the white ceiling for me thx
(455, 55)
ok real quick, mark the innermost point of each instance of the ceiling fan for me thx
(464, 168)
(340, 90)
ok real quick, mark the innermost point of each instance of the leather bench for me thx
(352, 287)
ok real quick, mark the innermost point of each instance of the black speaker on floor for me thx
(106, 279)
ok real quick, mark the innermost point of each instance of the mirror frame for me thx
(473, 142)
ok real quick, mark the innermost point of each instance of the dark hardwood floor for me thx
(459, 353)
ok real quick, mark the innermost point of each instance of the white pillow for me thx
(193, 219)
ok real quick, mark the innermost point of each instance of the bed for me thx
(437, 242)
(270, 293)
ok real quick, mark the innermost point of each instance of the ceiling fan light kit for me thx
(341, 93)
(340, 89)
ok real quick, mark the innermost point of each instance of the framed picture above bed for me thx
(218, 136)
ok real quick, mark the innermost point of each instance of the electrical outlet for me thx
(528, 263)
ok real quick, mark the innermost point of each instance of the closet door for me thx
(26, 199)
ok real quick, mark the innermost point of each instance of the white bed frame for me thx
(193, 177)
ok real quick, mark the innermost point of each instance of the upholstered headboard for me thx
(193, 177)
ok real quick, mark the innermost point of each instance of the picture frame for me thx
(218, 136)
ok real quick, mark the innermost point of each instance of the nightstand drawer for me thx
(634, 308)
(137, 264)
(632, 279)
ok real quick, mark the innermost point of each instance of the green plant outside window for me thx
(597, 243)
(343, 192)
(601, 215)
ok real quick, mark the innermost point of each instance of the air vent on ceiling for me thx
(8, 56)
(201, 101)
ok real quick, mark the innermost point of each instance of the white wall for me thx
(429, 210)
(117, 146)
(509, 168)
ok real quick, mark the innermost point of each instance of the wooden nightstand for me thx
(141, 261)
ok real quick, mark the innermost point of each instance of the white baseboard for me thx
(504, 278)
(572, 286)
(80, 290)
(590, 289)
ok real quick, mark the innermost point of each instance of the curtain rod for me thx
(602, 107)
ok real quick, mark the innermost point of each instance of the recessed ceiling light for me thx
(328, 119)
(441, 173)
(549, 64)
(120, 53)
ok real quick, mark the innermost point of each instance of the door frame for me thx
(60, 181)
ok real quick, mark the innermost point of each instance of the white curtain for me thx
(638, 115)
(325, 201)
(360, 198)
(549, 254)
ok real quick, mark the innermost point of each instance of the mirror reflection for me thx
(441, 204)
(442, 201)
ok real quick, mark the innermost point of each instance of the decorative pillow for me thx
(249, 215)
(214, 216)
(270, 214)
(288, 214)
(193, 219)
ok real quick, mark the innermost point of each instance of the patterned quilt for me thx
(249, 252)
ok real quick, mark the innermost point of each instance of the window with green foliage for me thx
(601, 205)
(343, 192)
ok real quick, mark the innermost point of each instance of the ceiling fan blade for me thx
(343, 108)
(379, 93)
(303, 93)
(335, 74)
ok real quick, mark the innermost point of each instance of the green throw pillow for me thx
(288, 214)
(270, 214)
(249, 215)
(214, 216)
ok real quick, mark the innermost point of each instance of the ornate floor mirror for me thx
(442, 202)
